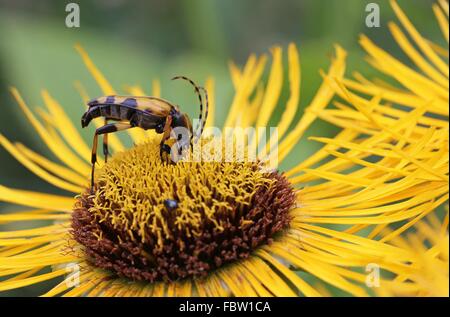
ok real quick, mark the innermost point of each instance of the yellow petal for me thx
(65, 126)
(56, 181)
(210, 88)
(320, 101)
(35, 199)
(442, 20)
(57, 169)
(272, 93)
(251, 75)
(294, 84)
(423, 45)
(7, 285)
(54, 144)
(105, 86)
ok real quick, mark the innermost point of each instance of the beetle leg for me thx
(107, 128)
(105, 147)
(105, 144)
(164, 148)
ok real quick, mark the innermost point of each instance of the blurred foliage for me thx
(133, 42)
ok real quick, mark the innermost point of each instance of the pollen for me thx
(148, 220)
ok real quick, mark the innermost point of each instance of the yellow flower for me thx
(388, 164)
(429, 276)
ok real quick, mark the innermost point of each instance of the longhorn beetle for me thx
(145, 112)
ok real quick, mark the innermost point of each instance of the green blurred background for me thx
(133, 42)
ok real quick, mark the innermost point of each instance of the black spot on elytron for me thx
(170, 204)
(109, 99)
(130, 102)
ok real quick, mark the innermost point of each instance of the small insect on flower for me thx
(145, 112)
(171, 204)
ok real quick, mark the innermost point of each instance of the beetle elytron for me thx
(145, 112)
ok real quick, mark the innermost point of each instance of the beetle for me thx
(145, 112)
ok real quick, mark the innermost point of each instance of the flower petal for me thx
(320, 101)
(56, 181)
(35, 199)
(423, 45)
(66, 127)
(272, 92)
(251, 74)
(52, 141)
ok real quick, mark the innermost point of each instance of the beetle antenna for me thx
(197, 91)
(206, 110)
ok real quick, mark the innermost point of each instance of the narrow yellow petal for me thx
(444, 5)
(423, 45)
(322, 271)
(273, 91)
(442, 20)
(95, 72)
(53, 167)
(320, 101)
(81, 289)
(156, 88)
(417, 58)
(402, 98)
(49, 178)
(294, 84)
(20, 241)
(54, 144)
(251, 75)
(269, 278)
(236, 285)
(439, 49)
(235, 74)
(66, 127)
(411, 79)
(210, 88)
(259, 288)
(35, 199)
(33, 232)
(302, 286)
(7, 285)
(36, 214)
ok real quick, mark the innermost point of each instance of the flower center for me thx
(148, 220)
